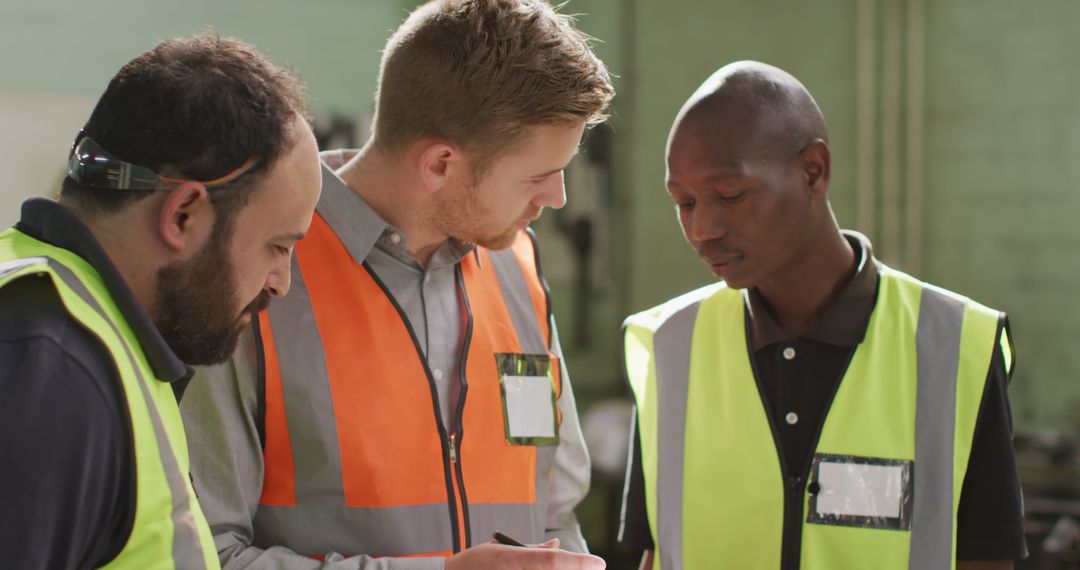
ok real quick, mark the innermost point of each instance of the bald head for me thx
(748, 168)
(761, 108)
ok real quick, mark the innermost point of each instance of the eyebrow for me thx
(577, 149)
(289, 237)
(727, 172)
(726, 177)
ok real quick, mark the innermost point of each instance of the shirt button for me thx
(791, 418)
(789, 353)
(395, 238)
(437, 373)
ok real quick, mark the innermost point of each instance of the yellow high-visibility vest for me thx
(169, 530)
(890, 462)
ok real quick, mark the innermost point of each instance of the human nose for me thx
(552, 193)
(280, 278)
(705, 222)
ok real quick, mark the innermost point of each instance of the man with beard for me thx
(408, 398)
(185, 192)
(816, 409)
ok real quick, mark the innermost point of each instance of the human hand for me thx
(502, 557)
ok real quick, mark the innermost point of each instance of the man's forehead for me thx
(717, 123)
(705, 169)
(699, 144)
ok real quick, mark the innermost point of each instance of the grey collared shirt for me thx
(428, 295)
(220, 407)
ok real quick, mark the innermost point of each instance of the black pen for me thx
(503, 539)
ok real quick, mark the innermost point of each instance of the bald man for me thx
(814, 408)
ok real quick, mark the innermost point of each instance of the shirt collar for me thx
(352, 219)
(393, 242)
(360, 228)
(844, 323)
(52, 223)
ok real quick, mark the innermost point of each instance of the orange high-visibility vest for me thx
(357, 459)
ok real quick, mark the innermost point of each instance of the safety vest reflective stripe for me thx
(933, 347)
(941, 318)
(356, 459)
(169, 525)
(308, 528)
(670, 329)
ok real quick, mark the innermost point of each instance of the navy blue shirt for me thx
(66, 458)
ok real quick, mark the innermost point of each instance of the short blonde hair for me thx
(478, 73)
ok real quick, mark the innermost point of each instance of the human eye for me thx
(541, 179)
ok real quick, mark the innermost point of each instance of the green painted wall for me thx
(660, 53)
(677, 45)
(69, 46)
(1003, 137)
(998, 134)
(61, 54)
(995, 122)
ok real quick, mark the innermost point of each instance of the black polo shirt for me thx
(797, 380)
(67, 477)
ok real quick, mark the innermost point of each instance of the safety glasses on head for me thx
(91, 165)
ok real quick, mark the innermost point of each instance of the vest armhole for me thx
(260, 382)
(1006, 346)
(117, 539)
(544, 285)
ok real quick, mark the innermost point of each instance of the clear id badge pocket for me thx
(528, 396)
(864, 492)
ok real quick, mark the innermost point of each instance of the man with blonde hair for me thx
(409, 399)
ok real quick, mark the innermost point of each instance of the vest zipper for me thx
(460, 412)
(449, 450)
(462, 540)
(794, 487)
(792, 541)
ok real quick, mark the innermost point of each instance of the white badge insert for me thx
(860, 490)
(863, 492)
(528, 398)
(529, 409)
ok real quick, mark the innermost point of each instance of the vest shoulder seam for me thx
(658, 315)
(887, 271)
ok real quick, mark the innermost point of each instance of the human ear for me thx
(436, 163)
(186, 217)
(816, 166)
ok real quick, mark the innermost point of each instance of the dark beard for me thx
(196, 304)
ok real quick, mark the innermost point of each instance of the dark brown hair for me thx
(195, 108)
